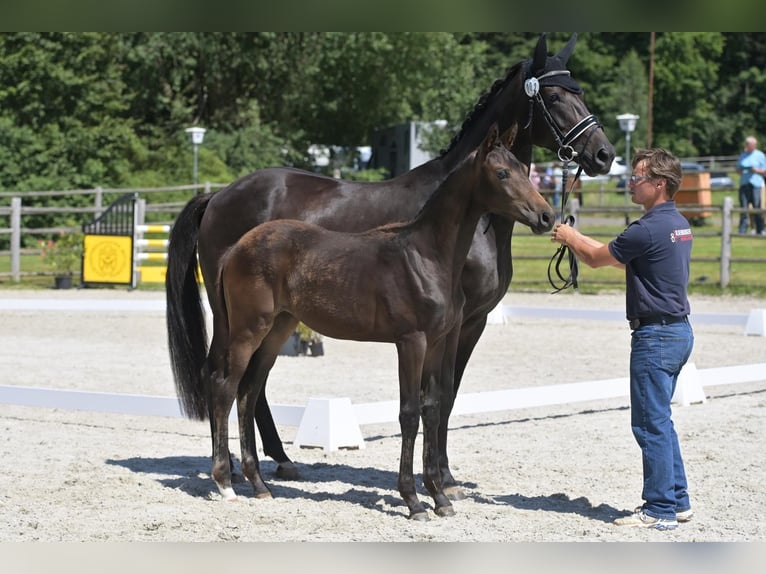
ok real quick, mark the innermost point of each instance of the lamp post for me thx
(197, 135)
(628, 125)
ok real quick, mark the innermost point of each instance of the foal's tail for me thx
(187, 335)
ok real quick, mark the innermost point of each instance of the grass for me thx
(532, 254)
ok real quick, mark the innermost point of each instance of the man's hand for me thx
(563, 233)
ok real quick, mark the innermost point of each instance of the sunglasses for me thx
(634, 179)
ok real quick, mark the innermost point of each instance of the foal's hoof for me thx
(445, 511)
(227, 493)
(419, 516)
(454, 493)
(287, 471)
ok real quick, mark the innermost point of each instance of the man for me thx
(655, 252)
(751, 166)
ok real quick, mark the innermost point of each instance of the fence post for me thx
(728, 203)
(16, 239)
(207, 187)
(574, 207)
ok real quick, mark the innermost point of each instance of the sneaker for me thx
(684, 516)
(643, 520)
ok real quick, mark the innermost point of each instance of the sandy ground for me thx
(559, 473)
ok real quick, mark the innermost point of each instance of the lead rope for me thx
(564, 251)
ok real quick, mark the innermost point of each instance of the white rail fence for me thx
(334, 422)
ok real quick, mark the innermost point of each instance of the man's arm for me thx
(588, 250)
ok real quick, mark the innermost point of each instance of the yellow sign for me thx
(108, 259)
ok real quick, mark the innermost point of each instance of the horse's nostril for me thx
(604, 157)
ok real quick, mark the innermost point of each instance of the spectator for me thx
(534, 176)
(751, 166)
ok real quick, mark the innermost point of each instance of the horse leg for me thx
(284, 326)
(222, 392)
(411, 352)
(430, 410)
(246, 399)
(241, 355)
(448, 391)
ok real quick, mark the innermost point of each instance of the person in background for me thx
(655, 252)
(534, 176)
(551, 182)
(751, 166)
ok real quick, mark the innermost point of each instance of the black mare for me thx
(398, 283)
(538, 95)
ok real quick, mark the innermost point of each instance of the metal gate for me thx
(108, 249)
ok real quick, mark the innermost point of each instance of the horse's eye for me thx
(503, 174)
(554, 98)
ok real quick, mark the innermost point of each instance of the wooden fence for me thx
(15, 213)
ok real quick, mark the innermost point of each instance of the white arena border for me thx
(333, 423)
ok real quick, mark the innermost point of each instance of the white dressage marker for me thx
(756, 323)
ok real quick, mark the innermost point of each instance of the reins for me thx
(563, 251)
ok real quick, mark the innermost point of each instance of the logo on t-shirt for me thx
(681, 235)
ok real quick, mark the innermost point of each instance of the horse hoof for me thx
(266, 494)
(419, 516)
(454, 493)
(445, 511)
(287, 471)
(228, 494)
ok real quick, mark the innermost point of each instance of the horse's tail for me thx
(187, 334)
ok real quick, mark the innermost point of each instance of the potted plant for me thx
(64, 256)
(309, 340)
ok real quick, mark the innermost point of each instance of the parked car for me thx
(692, 167)
(720, 180)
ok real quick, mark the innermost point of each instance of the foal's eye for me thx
(502, 174)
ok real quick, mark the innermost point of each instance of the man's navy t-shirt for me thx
(656, 251)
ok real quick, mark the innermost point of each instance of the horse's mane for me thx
(482, 104)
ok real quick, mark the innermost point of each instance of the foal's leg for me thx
(284, 326)
(447, 393)
(221, 394)
(241, 350)
(411, 350)
(431, 392)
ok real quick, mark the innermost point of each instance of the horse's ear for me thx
(541, 54)
(509, 135)
(567, 50)
(492, 139)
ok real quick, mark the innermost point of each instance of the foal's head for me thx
(504, 186)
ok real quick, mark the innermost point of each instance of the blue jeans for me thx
(749, 194)
(657, 354)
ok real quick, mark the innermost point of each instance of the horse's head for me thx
(504, 186)
(560, 120)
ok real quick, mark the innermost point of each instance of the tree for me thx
(686, 73)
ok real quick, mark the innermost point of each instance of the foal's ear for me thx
(509, 135)
(492, 139)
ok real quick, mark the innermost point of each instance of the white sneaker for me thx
(643, 520)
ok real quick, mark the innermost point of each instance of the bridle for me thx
(566, 153)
